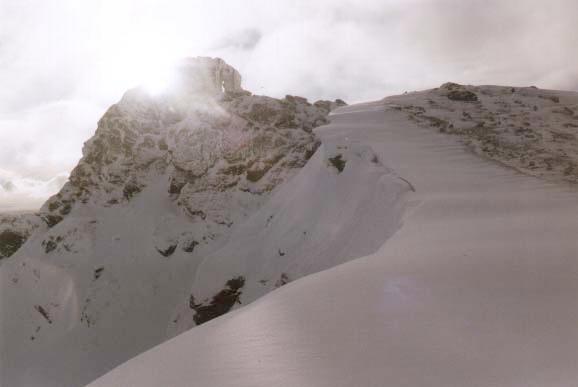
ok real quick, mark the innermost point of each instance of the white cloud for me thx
(46, 140)
(19, 193)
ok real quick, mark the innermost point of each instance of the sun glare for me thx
(158, 78)
(153, 70)
(144, 54)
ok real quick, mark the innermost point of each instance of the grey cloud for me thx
(246, 39)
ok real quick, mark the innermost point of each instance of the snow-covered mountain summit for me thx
(191, 203)
(206, 134)
(109, 266)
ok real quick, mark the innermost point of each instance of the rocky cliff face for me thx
(209, 141)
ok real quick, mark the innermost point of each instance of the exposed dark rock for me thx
(51, 220)
(462, 95)
(189, 247)
(85, 317)
(130, 190)
(451, 86)
(175, 187)
(283, 280)
(168, 251)
(220, 304)
(338, 162)
(53, 206)
(51, 243)
(257, 172)
(457, 92)
(10, 242)
(40, 309)
(554, 99)
(98, 272)
(66, 208)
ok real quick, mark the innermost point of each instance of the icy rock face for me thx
(213, 142)
(211, 76)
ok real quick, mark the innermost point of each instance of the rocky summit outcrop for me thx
(208, 76)
(207, 140)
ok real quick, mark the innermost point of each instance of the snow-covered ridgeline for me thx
(478, 287)
(189, 204)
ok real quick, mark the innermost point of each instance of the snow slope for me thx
(321, 218)
(478, 288)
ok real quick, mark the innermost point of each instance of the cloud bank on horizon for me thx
(62, 63)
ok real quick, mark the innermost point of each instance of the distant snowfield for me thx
(478, 288)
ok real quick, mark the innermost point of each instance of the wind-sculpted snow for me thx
(478, 288)
(324, 217)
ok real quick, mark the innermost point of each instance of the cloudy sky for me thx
(63, 62)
